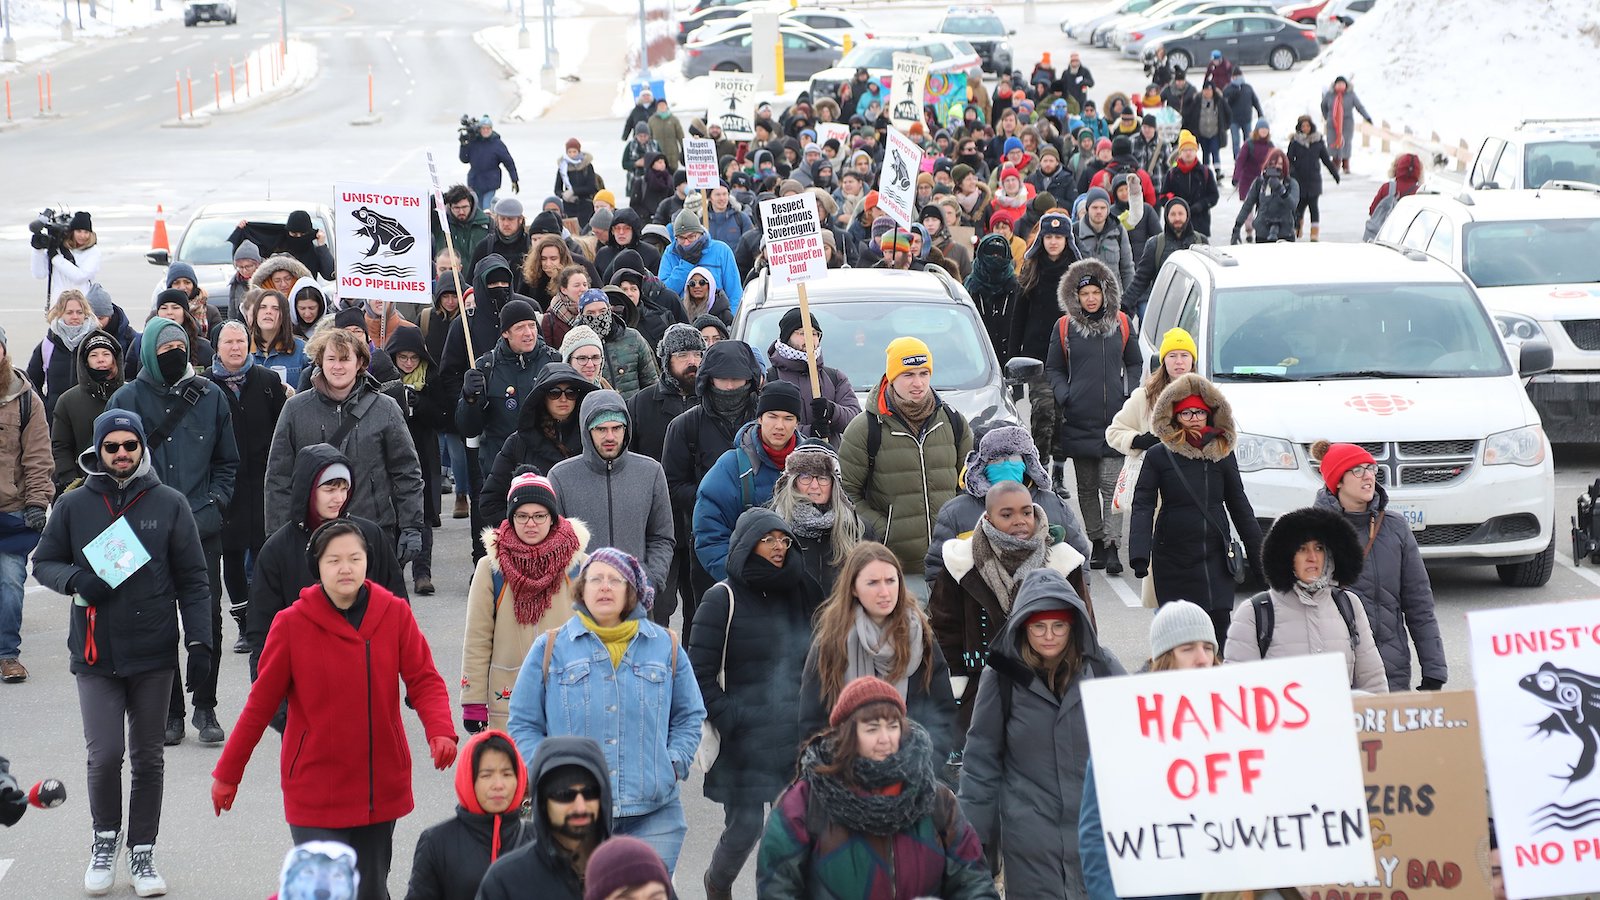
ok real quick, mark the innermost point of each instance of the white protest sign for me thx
(700, 162)
(384, 243)
(1536, 672)
(794, 239)
(1242, 777)
(908, 86)
(897, 183)
(837, 131)
(732, 105)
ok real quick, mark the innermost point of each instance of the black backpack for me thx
(1266, 618)
(958, 428)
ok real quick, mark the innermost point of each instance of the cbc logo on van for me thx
(1379, 404)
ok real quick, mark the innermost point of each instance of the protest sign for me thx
(897, 183)
(732, 105)
(1242, 777)
(948, 93)
(837, 131)
(907, 87)
(700, 161)
(794, 238)
(1536, 670)
(1425, 799)
(383, 242)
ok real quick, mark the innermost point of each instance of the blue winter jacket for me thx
(1092, 847)
(722, 498)
(291, 363)
(484, 157)
(716, 257)
(645, 713)
(728, 226)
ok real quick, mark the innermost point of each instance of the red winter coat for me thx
(344, 761)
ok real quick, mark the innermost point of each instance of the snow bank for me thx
(1464, 68)
(36, 24)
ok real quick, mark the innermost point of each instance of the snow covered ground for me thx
(36, 24)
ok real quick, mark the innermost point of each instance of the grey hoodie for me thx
(624, 500)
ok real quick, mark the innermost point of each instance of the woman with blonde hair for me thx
(53, 367)
(808, 496)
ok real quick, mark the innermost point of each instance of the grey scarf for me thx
(1308, 590)
(1001, 560)
(868, 652)
(811, 521)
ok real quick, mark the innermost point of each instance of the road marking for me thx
(142, 98)
(4, 865)
(1129, 599)
(105, 79)
(233, 37)
(130, 70)
(169, 39)
(1586, 574)
(139, 40)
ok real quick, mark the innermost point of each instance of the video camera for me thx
(50, 229)
(469, 127)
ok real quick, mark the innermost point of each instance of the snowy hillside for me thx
(1459, 67)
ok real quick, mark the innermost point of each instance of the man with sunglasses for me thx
(571, 817)
(123, 636)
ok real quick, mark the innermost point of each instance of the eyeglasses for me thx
(569, 393)
(1364, 470)
(777, 540)
(461, 207)
(538, 518)
(1053, 628)
(1192, 414)
(698, 282)
(111, 446)
(586, 358)
(813, 479)
(568, 795)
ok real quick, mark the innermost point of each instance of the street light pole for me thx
(644, 47)
(66, 23)
(8, 48)
(523, 40)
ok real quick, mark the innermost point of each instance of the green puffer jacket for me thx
(913, 477)
(630, 363)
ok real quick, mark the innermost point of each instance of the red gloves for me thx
(442, 748)
(222, 795)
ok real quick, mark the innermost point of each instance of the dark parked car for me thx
(195, 13)
(1248, 39)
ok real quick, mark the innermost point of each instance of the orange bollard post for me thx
(216, 85)
(190, 74)
(40, 79)
(49, 93)
(8, 99)
(177, 88)
(233, 92)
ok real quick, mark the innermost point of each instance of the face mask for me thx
(498, 295)
(1009, 470)
(601, 324)
(730, 404)
(172, 364)
(101, 376)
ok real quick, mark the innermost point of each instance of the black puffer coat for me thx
(429, 411)
(529, 445)
(255, 414)
(653, 409)
(757, 712)
(1091, 379)
(1186, 552)
(1036, 315)
(453, 856)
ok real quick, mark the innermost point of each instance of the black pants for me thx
(741, 829)
(475, 483)
(238, 568)
(374, 847)
(107, 704)
(205, 693)
(1307, 201)
(1219, 623)
(700, 581)
(680, 585)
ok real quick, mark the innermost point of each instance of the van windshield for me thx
(1535, 251)
(855, 333)
(1317, 332)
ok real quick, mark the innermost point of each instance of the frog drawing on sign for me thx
(1575, 697)
(383, 231)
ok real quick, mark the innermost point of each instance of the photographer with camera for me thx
(484, 153)
(64, 252)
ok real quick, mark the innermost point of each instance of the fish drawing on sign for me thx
(383, 231)
(901, 172)
(1575, 697)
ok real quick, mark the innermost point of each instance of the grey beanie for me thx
(6, 342)
(247, 250)
(1178, 623)
(687, 222)
(601, 220)
(99, 300)
(679, 338)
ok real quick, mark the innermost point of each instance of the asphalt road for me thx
(108, 153)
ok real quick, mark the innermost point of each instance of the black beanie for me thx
(1121, 146)
(790, 323)
(299, 221)
(779, 396)
(80, 219)
(1088, 278)
(173, 295)
(531, 487)
(516, 311)
(352, 316)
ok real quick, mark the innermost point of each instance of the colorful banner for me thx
(947, 91)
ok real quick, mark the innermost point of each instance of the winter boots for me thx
(1316, 232)
(461, 511)
(174, 735)
(147, 882)
(205, 722)
(1113, 565)
(102, 872)
(1345, 164)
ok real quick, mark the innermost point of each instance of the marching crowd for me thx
(884, 619)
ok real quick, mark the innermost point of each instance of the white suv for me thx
(1537, 151)
(1532, 256)
(1363, 344)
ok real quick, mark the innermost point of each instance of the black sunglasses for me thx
(111, 446)
(567, 795)
(571, 393)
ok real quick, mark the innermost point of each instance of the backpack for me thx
(1381, 211)
(1122, 322)
(958, 428)
(1266, 619)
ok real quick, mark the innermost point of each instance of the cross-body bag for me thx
(710, 739)
(188, 399)
(1236, 557)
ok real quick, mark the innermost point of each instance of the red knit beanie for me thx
(1192, 401)
(1050, 615)
(1340, 459)
(862, 691)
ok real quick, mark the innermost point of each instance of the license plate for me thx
(1413, 514)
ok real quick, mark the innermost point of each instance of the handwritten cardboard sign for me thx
(897, 183)
(1425, 799)
(1242, 777)
(1536, 670)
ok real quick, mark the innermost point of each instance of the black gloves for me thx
(91, 587)
(410, 545)
(199, 667)
(473, 726)
(34, 517)
(473, 384)
(1141, 567)
(1235, 236)
(822, 417)
(40, 241)
(1430, 684)
(1145, 441)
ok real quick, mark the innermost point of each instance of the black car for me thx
(1248, 39)
(984, 31)
(195, 13)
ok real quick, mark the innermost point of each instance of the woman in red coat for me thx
(338, 655)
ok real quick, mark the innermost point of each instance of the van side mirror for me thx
(1535, 358)
(1019, 369)
(1155, 363)
(158, 258)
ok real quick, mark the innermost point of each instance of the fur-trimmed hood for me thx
(1166, 428)
(491, 537)
(1310, 524)
(1067, 296)
(999, 443)
(272, 264)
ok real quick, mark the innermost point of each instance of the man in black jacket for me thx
(680, 353)
(123, 640)
(571, 817)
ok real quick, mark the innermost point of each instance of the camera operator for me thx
(64, 252)
(484, 153)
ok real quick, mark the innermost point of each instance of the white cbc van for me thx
(1363, 344)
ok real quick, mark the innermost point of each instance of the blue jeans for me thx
(486, 199)
(1237, 132)
(663, 830)
(13, 572)
(453, 450)
(1211, 150)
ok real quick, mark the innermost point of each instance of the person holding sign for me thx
(823, 416)
(148, 564)
(1307, 558)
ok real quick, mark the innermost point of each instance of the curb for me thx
(505, 66)
(195, 122)
(288, 90)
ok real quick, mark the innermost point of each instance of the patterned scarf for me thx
(883, 798)
(868, 651)
(534, 571)
(1001, 560)
(811, 521)
(785, 351)
(1308, 590)
(1338, 119)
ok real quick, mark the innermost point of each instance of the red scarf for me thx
(534, 571)
(1338, 118)
(780, 455)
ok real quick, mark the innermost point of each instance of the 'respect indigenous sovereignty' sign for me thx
(1241, 777)
(1536, 673)
(794, 238)
(384, 243)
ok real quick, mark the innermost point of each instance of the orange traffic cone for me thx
(158, 239)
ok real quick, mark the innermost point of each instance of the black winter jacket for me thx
(255, 415)
(428, 411)
(1306, 152)
(605, 256)
(1036, 315)
(652, 411)
(73, 428)
(1091, 378)
(513, 250)
(54, 380)
(1156, 251)
(1197, 187)
(697, 438)
(541, 866)
(528, 445)
(510, 378)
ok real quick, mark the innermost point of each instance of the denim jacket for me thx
(645, 714)
(291, 363)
